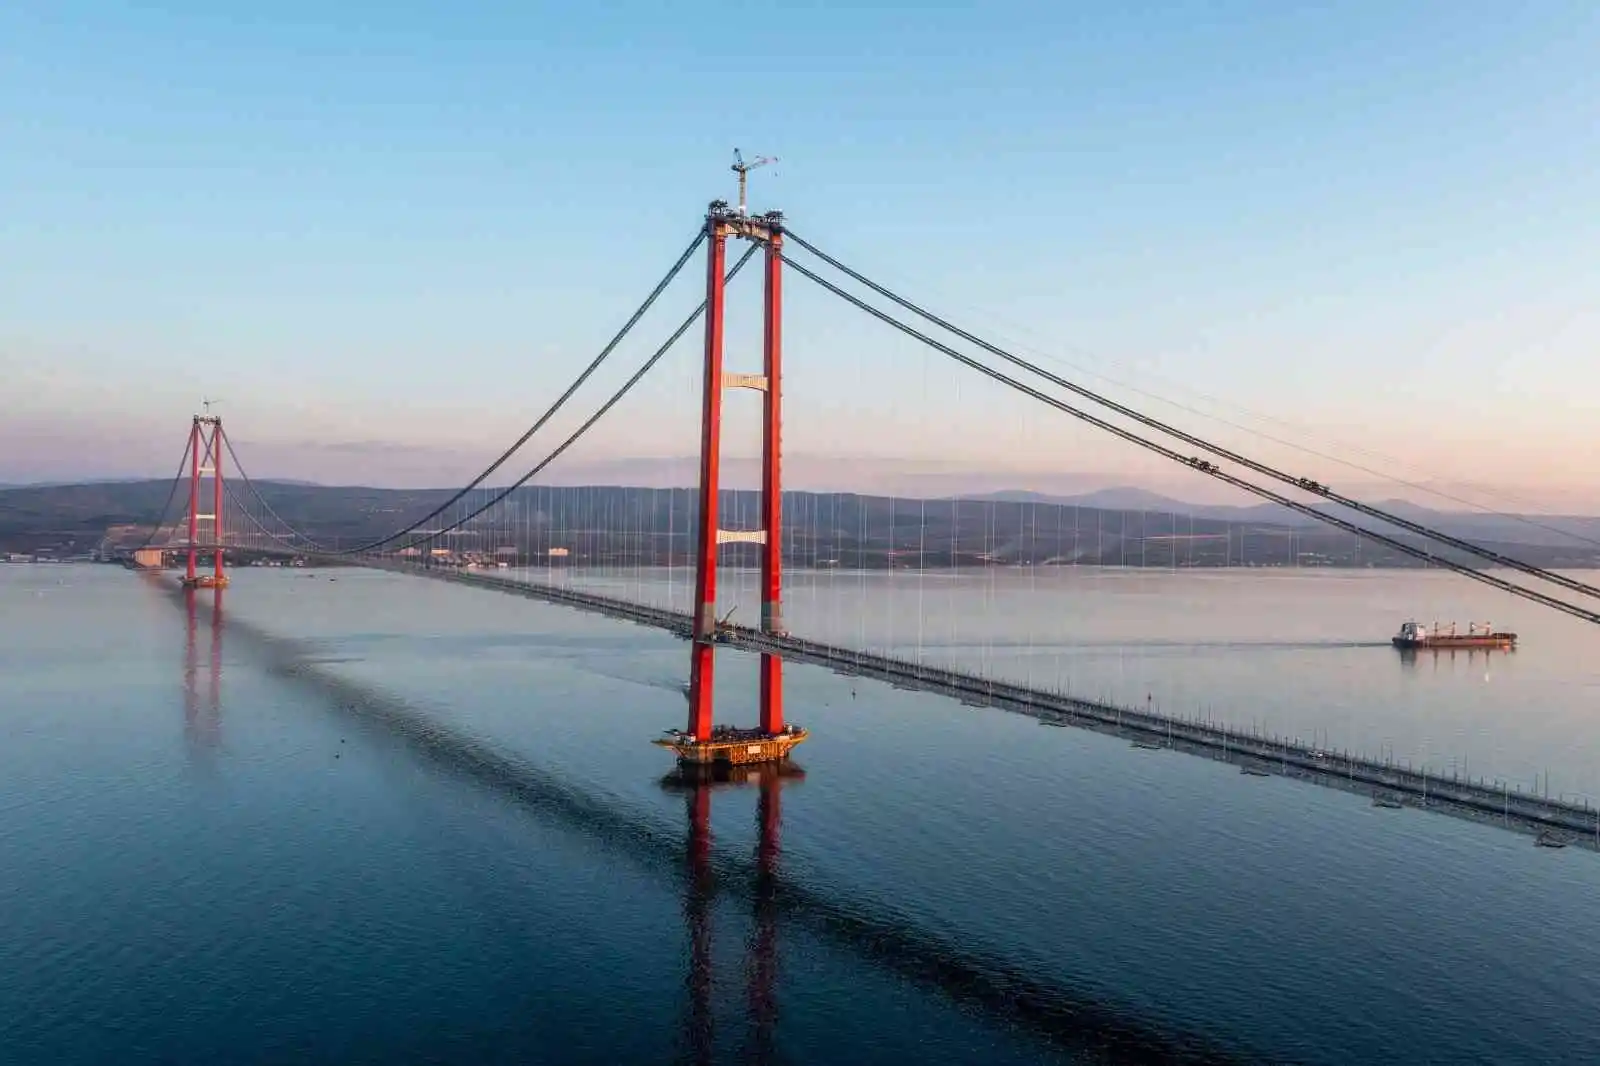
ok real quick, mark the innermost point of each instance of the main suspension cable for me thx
(1385, 475)
(171, 495)
(550, 413)
(1210, 469)
(1258, 418)
(1304, 484)
(616, 398)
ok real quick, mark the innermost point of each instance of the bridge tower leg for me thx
(704, 742)
(702, 655)
(219, 578)
(194, 501)
(772, 486)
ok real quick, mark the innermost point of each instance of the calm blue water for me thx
(374, 818)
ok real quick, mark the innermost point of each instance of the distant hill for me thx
(90, 481)
(1551, 531)
(1545, 530)
(58, 484)
(1116, 499)
(1124, 527)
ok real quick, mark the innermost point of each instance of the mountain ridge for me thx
(871, 529)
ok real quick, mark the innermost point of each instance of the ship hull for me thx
(1493, 640)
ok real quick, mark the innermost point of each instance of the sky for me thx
(384, 236)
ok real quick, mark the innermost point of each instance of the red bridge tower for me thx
(205, 448)
(704, 742)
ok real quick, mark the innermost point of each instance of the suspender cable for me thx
(616, 398)
(1207, 468)
(1304, 484)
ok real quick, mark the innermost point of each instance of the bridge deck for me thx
(1577, 824)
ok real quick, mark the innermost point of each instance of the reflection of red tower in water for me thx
(202, 722)
(761, 963)
(762, 958)
(697, 915)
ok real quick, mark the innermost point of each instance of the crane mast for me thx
(741, 168)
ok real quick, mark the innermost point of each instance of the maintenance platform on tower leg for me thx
(733, 747)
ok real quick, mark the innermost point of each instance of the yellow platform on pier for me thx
(734, 748)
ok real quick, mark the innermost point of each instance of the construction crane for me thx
(741, 168)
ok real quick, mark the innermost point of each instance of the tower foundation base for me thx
(734, 747)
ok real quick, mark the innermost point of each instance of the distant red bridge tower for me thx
(704, 742)
(206, 442)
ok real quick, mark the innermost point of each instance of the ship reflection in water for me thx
(761, 964)
(202, 721)
(1470, 659)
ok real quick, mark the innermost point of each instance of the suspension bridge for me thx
(654, 556)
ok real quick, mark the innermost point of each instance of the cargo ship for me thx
(1413, 636)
